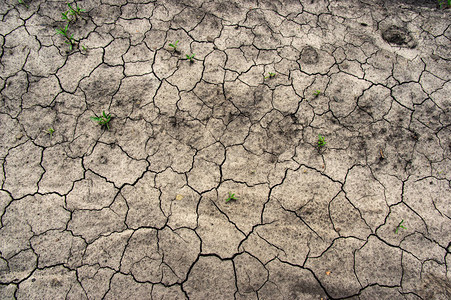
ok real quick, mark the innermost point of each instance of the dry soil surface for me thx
(139, 211)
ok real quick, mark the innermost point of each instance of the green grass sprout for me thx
(103, 120)
(23, 2)
(64, 16)
(50, 131)
(75, 12)
(317, 93)
(400, 226)
(190, 57)
(270, 75)
(69, 38)
(231, 197)
(174, 46)
(63, 31)
(321, 141)
(71, 42)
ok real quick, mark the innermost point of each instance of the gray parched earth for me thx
(139, 211)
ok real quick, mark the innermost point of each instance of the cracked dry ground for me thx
(139, 211)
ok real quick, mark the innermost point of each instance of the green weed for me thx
(174, 46)
(50, 131)
(69, 38)
(71, 42)
(64, 16)
(103, 120)
(317, 93)
(231, 197)
(270, 75)
(321, 141)
(190, 57)
(399, 226)
(444, 3)
(23, 2)
(75, 12)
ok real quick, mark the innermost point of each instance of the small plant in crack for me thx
(270, 75)
(317, 93)
(76, 12)
(190, 57)
(23, 2)
(174, 45)
(69, 38)
(400, 226)
(321, 141)
(50, 131)
(65, 17)
(231, 197)
(103, 120)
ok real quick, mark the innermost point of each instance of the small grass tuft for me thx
(321, 141)
(270, 75)
(76, 12)
(317, 93)
(50, 131)
(400, 226)
(231, 197)
(174, 45)
(65, 17)
(190, 57)
(69, 38)
(23, 2)
(103, 120)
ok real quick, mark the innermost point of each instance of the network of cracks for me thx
(328, 122)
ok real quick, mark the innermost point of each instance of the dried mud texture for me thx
(139, 211)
